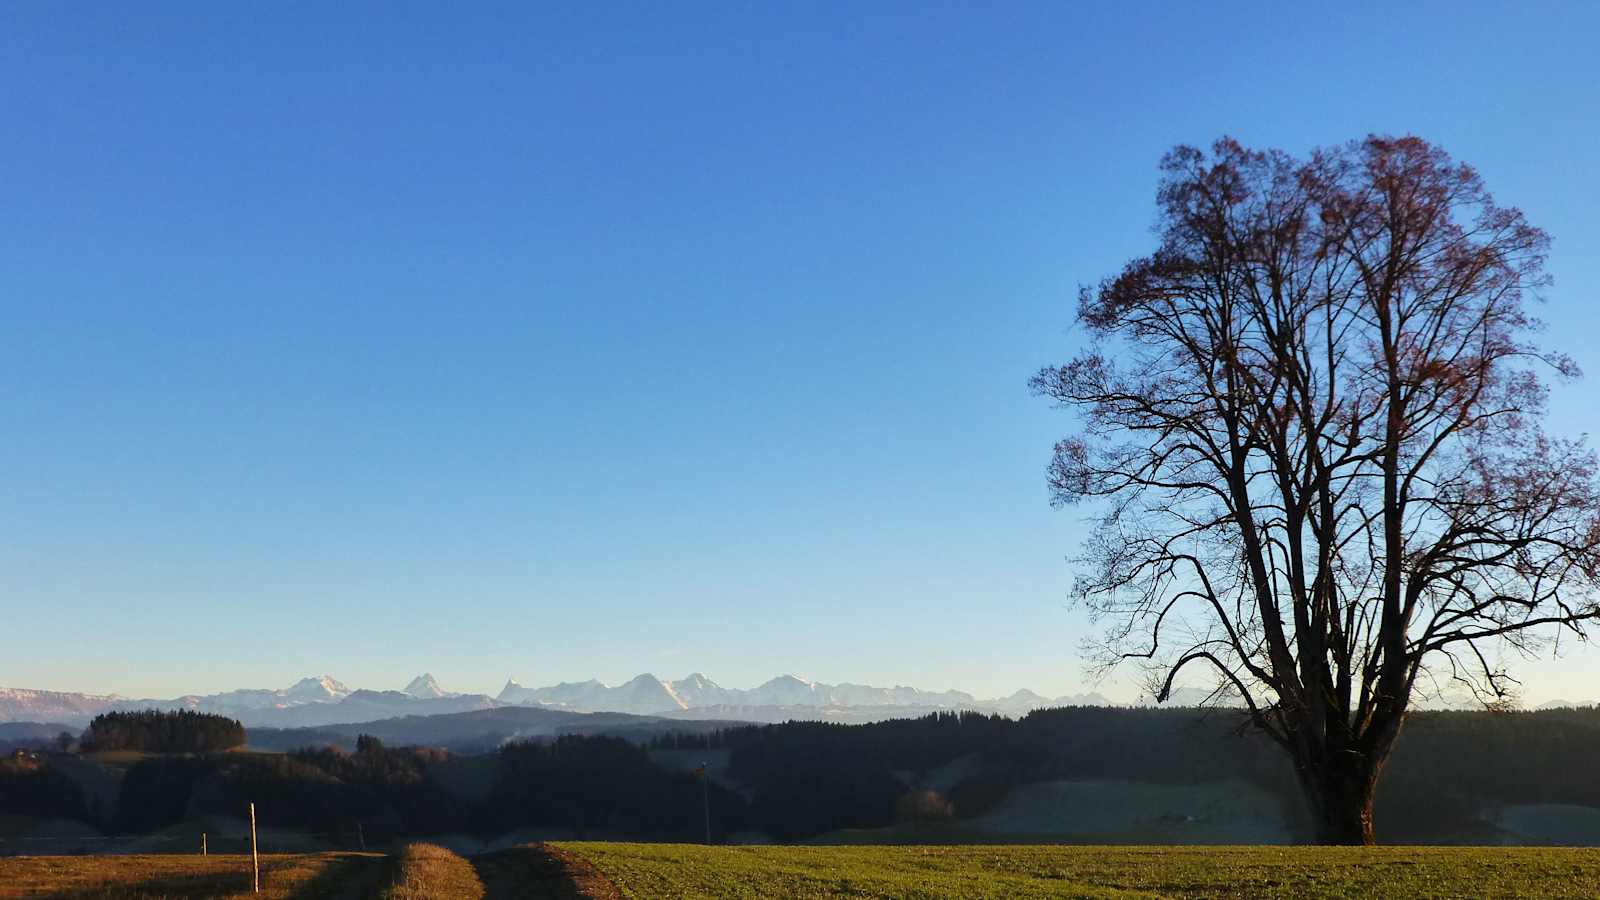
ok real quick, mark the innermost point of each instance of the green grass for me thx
(923, 873)
(666, 871)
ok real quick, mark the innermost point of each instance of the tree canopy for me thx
(1313, 417)
(163, 731)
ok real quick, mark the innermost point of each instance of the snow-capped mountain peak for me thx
(647, 691)
(424, 687)
(788, 690)
(695, 690)
(316, 689)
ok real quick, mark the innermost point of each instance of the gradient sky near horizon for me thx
(557, 341)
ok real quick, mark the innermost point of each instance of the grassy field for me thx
(665, 871)
(923, 873)
(313, 876)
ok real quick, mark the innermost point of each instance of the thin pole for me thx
(255, 857)
(203, 851)
(361, 837)
(705, 797)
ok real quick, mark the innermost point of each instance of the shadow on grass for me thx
(173, 886)
(346, 878)
(342, 878)
(539, 872)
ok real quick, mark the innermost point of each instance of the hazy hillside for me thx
(32, 735)
(478, 731)
(1085, 774)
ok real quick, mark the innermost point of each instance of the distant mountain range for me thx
(307, 702)
(1566, 704)
(322, 701)
(649, 695)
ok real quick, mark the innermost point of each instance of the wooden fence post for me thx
(255, 857)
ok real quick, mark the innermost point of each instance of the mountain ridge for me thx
(324, 700)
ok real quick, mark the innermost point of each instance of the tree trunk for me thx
(1340, 800)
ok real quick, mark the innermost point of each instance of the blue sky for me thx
(557, 341)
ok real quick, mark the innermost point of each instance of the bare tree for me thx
(1312, 417)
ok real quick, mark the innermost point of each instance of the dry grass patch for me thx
(430, 872)
(314, 876)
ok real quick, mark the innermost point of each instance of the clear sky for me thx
(587, 339)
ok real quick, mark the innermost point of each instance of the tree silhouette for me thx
(1313, 418)
(163, 731)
